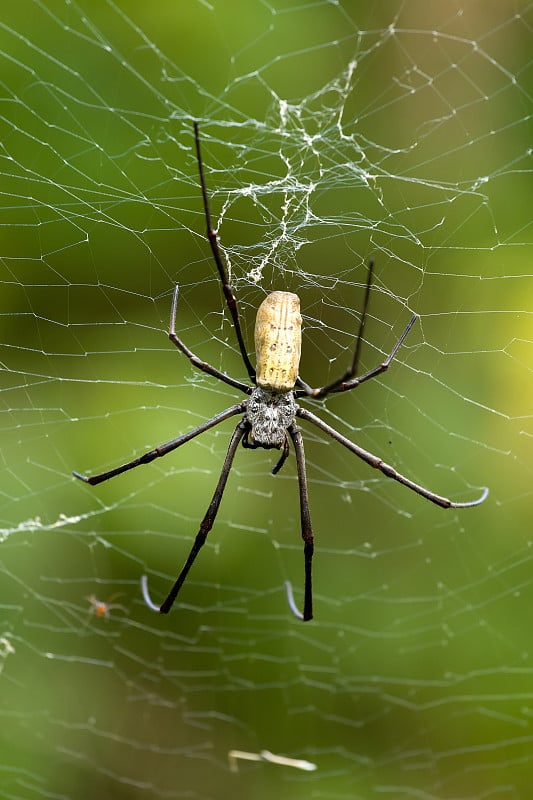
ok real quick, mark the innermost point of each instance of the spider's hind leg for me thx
(231, 300)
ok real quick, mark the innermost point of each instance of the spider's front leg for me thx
(387, 469)
(209, 518)
(305, 516)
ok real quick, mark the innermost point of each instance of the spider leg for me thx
(350, 372)
(305, 516)
(197, 362)
(251, 445)
(386, 469)
(344, 385)
(231, 300)
(247, 444)
(210, 516)
(282, 459)
(348, 380)
(163, 449)
(295, 611)
(146, 594)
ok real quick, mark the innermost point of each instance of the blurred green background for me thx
(331, 133)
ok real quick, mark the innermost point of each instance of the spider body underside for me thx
(270, 412)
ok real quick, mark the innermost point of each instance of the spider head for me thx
(270, 414)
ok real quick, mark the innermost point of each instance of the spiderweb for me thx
(331, 134)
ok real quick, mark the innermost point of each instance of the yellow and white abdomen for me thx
(278, 342)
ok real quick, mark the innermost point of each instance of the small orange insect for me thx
(101, 608)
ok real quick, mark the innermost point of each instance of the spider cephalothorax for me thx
(269, 415)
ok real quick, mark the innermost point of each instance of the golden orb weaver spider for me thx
(270, 412)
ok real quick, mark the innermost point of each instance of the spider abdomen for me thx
(278, 341)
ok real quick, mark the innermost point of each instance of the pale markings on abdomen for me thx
(278, 341)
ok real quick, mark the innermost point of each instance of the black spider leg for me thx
(197, 362)
(283, 457)
(231, 300)
(210, 516)
(305, 517)
(386, 469)
(163, 449)
(251, 445)
(351, 371)
(348, 380)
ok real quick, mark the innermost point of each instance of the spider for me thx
(270, 411)
(101, 608)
